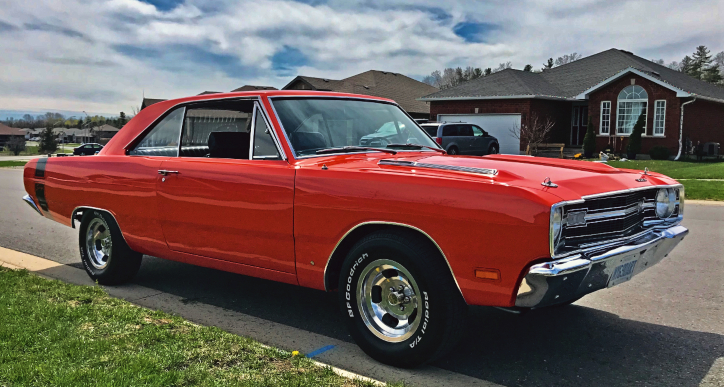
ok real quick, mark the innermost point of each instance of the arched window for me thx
(632, 102)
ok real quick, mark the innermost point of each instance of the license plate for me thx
(624, 271)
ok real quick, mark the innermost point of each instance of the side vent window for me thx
(264, 147)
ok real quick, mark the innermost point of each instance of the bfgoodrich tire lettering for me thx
(105, 255)
(399, 299)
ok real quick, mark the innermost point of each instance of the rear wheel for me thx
(105, 254)
(493, 150)
(400, 300)
(453, 150)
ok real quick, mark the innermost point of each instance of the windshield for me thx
(312, 124)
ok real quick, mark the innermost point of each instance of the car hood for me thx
(573, 178)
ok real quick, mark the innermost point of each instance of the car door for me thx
(466, 139)
(229, 195)
(481, 141)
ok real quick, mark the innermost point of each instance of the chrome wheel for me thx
(98, 243)
(388, 297)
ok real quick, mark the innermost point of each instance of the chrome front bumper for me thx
(556, 282)
(31, 203)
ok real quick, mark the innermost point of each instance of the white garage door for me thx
(498, 125)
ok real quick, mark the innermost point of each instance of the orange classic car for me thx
(276, 185)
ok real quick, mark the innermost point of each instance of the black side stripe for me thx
(40, 167)
(40, 194)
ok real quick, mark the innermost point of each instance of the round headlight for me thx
(665, 202)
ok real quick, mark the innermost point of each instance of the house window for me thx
(659, 117)
(632, 102)
(605, 127)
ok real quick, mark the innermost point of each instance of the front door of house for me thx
(579, 120)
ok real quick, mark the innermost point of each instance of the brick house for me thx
(402, 89)
(612, 88)
(7, 133)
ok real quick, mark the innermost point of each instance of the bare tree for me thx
(534, 134)
(568, 58)
(503, 66)
(674, 65)
(658, 61)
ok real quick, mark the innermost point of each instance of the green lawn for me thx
(32, 150)
(12, 163)
(57, 334)
(688, 172)
(677, 169)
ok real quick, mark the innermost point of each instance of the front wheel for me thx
(399, 298)
(105, 254)
(493, 150)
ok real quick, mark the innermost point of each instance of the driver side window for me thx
(477, 132)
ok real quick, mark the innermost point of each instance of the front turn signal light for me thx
(487, 274)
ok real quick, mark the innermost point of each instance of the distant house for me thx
(612, 88)
(104, 133)
(402, 89)
(254, 88)
(149, 101)
(6, 133)
(30, 133)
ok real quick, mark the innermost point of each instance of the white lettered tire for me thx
(399, 299)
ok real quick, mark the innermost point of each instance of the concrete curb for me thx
(704, 203)
(345, 359)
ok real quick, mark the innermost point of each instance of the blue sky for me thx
(104, 55)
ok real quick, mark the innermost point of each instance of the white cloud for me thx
(102, 55)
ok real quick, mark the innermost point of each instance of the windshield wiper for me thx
(352, 149)
(418, 146)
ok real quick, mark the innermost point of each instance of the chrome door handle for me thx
(165, 172)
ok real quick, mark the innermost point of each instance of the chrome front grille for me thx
(608, 217)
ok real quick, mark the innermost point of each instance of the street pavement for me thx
(665, 327)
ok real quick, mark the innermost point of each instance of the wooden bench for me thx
(546, 146)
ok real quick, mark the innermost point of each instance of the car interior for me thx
(218, 129)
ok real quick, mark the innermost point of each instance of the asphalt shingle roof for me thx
(400, 88)
(572, 79)
(8, 131)
(254, 88)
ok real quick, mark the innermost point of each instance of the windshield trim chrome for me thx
(351, 98)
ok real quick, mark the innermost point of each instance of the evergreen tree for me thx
(48, 142)
(712, 75)
(528, 68)
(459, 77)
(121, 120)
(548, 65)
(488, 71)
(701, 61)
(686, 65)
(80, 123)
(589, 141)
(634, 141)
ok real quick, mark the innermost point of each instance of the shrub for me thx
(589, 141)
(634, 141)
(659, 153)
(16, 144)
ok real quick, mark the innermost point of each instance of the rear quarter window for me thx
(450, 130)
